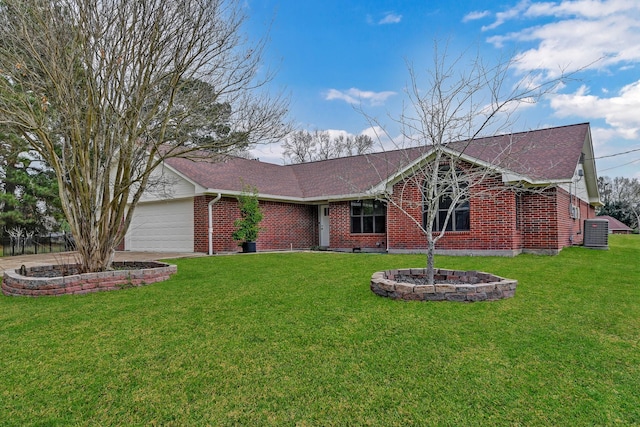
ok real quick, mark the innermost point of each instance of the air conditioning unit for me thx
(575, 211)
(596, 233)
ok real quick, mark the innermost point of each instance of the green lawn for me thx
(298, 339)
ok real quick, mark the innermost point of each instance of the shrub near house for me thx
(248, 225)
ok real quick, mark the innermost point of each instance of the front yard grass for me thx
(298, 339)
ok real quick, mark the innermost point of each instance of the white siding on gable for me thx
(578, 187)
(164, 226)
(166, 185)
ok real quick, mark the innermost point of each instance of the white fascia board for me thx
(416, 164)
(590, 171)
(288, 199)
(512, 178)
(507, 176)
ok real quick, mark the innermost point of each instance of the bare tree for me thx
(299, 147)
(106, 90)
(303, 146)
(362, 144)
(326, 147)
(446, 117)
(621, 199)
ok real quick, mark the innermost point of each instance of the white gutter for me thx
(210, 208)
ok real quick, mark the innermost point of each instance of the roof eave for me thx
(294, 199)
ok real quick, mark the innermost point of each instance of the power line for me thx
(618, 154)
(619, 166)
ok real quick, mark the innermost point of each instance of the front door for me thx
(323, 214)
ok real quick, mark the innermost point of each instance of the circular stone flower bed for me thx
(65, 279)
(450, 285)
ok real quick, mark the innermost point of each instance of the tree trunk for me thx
(95, 254)
(431, 249)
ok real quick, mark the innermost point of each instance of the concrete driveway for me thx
(13, 262)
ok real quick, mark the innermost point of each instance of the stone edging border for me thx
(455, 285)
(15, 284)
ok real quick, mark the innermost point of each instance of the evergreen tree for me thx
(28, 189)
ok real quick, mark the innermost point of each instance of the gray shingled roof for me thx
(542, 155)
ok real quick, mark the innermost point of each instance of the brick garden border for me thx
(15, 284)
(451, 285)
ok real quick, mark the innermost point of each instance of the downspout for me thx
(386, 218)
(210, 209)
(570, 212)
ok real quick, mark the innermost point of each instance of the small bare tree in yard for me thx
(448, 118)
(106, 90)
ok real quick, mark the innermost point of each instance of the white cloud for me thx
(357, 96)
(387, 18)
(502, 17)
(390, 18)
(620, 111)
(269, 153)
(474, 16)
(374, 132)
(335, 133)
(583, 34)
(384, 141)
(587, 8)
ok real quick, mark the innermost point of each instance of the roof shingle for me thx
(542, 155)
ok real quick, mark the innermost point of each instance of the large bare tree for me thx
(105, 90)
(450, 108)
(303, 146)
(621, 199)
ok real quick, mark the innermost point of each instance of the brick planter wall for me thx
(451, 285)
(15, 284)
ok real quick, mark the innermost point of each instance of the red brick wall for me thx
(499, 221)
(571, 229)
(284, 225)
(540, 221)
(402, 231)
(493, 224)
(224, 212)
(492, 221)
(287, 225)
(340, 236)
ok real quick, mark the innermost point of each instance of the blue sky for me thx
(332, 56)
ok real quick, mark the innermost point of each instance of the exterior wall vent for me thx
(596, 233)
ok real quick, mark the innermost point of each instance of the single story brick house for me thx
(331, 203)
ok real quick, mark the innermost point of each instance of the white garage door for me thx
(162, 227)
